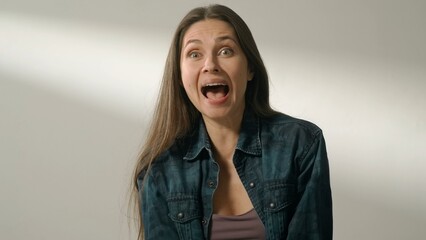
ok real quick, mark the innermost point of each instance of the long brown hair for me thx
(174, 114)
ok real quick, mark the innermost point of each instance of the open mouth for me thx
(215, 90)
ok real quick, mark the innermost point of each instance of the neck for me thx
(224, 136)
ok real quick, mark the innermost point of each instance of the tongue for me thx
(216, 92)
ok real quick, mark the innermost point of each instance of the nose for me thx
(210, 65)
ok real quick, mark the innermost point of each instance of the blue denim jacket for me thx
(282, 163)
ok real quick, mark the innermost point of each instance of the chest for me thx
(191, 188)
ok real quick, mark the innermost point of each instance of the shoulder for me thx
(281, 123)
(170, 157)
(282, 132)
(283, 135)
(170, 164)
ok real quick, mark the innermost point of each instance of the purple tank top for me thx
(245, 226)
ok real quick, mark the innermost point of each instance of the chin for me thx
(221, 114)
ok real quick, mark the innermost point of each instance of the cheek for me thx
(189, 78)
(186, 80)
(240, 68)
(188, 85)
(184, 77)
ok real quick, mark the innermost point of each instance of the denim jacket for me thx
(282, 163)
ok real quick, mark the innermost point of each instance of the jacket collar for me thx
(248, 140)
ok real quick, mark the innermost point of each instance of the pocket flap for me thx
(278, 196)
(183, 208)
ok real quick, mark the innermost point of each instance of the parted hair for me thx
(174, 114)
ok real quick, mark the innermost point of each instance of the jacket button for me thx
(180, 215)
(204, 221)
(252, 184)
(211, 184)
(272, 205)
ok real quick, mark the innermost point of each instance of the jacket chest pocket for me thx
(184, 211)
(278, 205)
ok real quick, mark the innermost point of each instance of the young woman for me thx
(219, 163)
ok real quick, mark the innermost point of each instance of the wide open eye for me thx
(194, 54)
(226, 52)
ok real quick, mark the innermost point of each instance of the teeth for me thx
(215, 84)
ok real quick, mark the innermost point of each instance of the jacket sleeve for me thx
(313, 219)
(154, 210)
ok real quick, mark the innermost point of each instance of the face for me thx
(214, 70)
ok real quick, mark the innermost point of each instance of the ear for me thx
(250, 75)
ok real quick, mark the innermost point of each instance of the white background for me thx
(78, 80)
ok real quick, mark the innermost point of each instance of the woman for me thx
(219, 163)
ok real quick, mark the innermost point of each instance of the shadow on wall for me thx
(65, 166)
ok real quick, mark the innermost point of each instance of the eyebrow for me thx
(218, 39)
(224, 38)
(191, 41)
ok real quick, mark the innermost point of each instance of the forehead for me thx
(210, 28)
